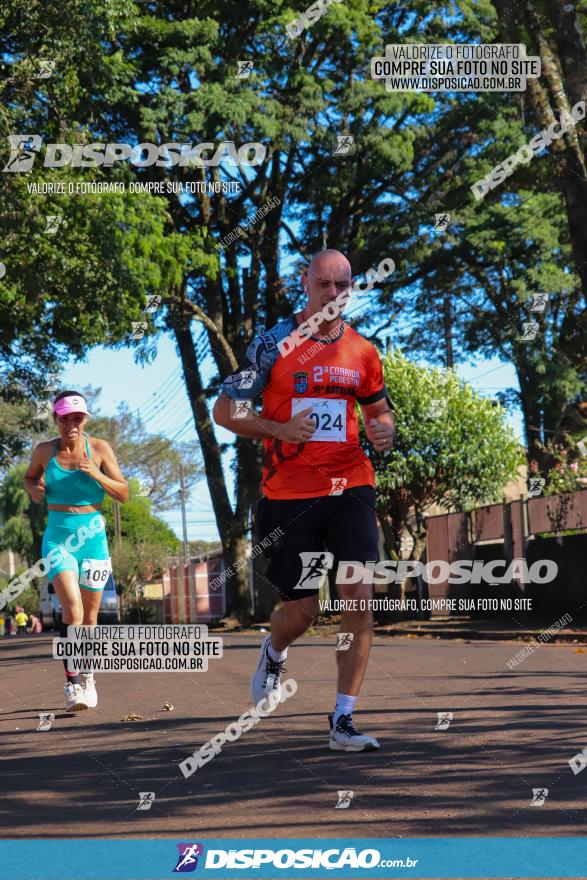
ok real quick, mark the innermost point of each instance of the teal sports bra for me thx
(71, 487)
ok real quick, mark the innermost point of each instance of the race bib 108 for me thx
(95, 572)
(328, 415)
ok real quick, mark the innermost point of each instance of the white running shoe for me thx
(74, 698)
(346, 738)
(88, 686)
(266, 680)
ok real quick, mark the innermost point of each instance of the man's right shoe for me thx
(75, 699)
(266, 680)
(88, 686)
(344, 736)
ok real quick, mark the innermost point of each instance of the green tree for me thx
(152, 460)
(146, 543)
(148, 72)
(199, 547)
(21, 522)
(138, 524)
(452, 448)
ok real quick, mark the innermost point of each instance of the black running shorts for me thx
(343, 525)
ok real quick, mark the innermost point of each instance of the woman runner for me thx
(74, 472)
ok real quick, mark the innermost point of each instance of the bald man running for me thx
(318, 485)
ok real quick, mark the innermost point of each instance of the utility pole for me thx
(186, 549)
(117, 530)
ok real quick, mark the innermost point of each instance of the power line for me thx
(149, 403)
(160, 405)
(160, 417)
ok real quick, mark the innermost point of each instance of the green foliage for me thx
(29, 600)
(21, 522)
(142, 72)
(198, 548)
(150, 460)
(146, 541)
(138, 524)
(452, 447)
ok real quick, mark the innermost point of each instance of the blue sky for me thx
(167, 411)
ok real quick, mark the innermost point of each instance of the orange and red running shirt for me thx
(330, 376)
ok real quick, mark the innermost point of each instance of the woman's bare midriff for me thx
(68, 508)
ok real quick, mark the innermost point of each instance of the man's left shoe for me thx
(266, 682)
(344, 737)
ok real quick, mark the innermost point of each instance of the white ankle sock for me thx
(344, 705)
(278, 656)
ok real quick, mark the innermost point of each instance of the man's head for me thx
(328, 275)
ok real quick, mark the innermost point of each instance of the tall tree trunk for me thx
(232, 527)
(447, 320)
(570, 45)
(532, 414)
(549, 101)
(572, 169)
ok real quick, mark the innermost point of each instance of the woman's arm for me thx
(111, 479)
(34, 482)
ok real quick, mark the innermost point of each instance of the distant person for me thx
(75, 472)
(2, 625)
(21, 621)
(34, 625)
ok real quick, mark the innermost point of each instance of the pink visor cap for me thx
(70, 404)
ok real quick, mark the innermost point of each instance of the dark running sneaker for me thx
(266, 680)
(346, 738)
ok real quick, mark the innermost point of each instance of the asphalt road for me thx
(511, 731)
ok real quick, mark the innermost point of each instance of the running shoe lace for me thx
(274, 667)
(345, 725)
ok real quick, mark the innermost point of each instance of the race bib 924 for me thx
(328, 415)
(95, 572)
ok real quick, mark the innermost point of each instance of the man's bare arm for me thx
(299, 429)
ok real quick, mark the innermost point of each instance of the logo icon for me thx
(535, 486)
(314, 569)
(244, 379)
(539, 795)
(441, 222)
(344, 145)
(344, 800)
(138, 329)
(44, 410)
(23, 148)
(530, 331)
(338, 485)
(241, 409)
(153, 303)
(436, 408)
(187, 860)
(146, 800)
(444, 719)
(51, 383)
(46, 720)
(46, 68)
(53, 222)
(539, 302)
(343, 641)
(244, 69)
(300, 381)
